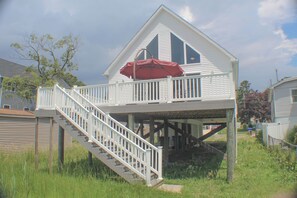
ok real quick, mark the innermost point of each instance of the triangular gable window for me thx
(192, 55)
(152, 48)
(178, 49)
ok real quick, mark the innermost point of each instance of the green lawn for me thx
(257, 174)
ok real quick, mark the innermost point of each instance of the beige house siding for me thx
(17, 133)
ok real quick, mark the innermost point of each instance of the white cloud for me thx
(186, 13)
(289, 45)
(277, 11)
(280, 32)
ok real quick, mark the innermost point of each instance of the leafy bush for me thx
(292, 135)
(244, 127)
(259, 136)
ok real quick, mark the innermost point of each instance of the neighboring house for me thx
(17, 131)
(8, 98)
(283, 97)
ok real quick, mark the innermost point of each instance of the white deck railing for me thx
(166, 90)
(117, 140)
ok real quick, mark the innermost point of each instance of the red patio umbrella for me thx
(151, 69)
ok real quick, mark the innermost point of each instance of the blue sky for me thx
(261, 33)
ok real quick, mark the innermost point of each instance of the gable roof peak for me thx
(163, 8)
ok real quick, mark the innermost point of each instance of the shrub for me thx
(259, 136)
(244, 127)
(292, 135)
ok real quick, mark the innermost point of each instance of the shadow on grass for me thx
(2, 193)
(195, 163)
(82, 169)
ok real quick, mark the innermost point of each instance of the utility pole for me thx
(276, 73)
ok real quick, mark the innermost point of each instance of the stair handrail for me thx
(87, 128)
(156, 152)
(84, 129)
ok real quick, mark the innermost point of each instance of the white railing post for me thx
(90, 125)
(116, 94)
(148, 166)
(169, 89)
(54, 95)
(38, 98)
(160, 162)
(230, 84)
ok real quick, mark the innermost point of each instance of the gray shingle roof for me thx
(9, 69)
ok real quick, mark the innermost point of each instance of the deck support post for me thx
(183, 142)
(166, 142)
(36, 142)
(90, 159)
(60, 149)
(230, 144)
(152, 130)
(131, 122)
(141, 128)
(176, 142)
(200, 129)
(50, 157)
(189, 130)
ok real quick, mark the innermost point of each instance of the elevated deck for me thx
(187, 97)
(97, 111)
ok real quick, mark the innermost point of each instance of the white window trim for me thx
(291, 96)
(185, 51)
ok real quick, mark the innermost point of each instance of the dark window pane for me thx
(294, 95)
(141, 56)
(177, 50)
(153, 48)
(192, 55)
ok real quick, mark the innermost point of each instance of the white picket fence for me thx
(123, 144)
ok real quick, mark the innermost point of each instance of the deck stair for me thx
(123, 151)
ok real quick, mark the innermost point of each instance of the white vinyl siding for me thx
(17, 134)
(284, 107)
(212, 60)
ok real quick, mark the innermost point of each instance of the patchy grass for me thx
(257, 174)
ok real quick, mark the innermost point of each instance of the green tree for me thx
(51, 59)
(244, 89)
(256, 105)
(72, 80)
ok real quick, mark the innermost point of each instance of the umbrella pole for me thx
(135, 59)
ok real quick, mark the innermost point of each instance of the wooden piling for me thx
(50, 157)
(36, 142)
(60, 149)
(230, 144)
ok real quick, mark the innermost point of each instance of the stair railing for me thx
(117, 140)
(155, 153)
